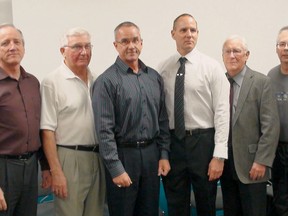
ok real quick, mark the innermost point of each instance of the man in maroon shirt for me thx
(19, 128)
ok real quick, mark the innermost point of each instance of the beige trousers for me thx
(85, 175)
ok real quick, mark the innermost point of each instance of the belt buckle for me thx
(23, 157)
(189, 132)
(94, 148)
(138, 143)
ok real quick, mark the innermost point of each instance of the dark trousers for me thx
(19, 182)
(142, 197)
(189, 160)
(280, 181)
(241, 199)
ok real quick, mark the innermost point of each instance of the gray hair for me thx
(77, 31)
(126, 24)
(4, 25)
(237, 37)
(285, 28)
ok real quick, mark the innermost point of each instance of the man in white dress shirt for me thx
(198, 157)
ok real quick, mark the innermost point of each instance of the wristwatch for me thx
(219, 158)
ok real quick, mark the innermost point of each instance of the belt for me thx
(135, 144)
(22, 157)
(93, 148)
(195, 131)
(283, 143)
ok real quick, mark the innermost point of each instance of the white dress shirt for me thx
(206, 95)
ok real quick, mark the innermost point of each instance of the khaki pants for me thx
(85, 175)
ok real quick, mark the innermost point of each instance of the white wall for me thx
(44, 21)
(6, 11)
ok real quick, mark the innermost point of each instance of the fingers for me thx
(163, 172)
(254, 175)
(3, 205)
(60, 191)
(126, 183)
(257, 171)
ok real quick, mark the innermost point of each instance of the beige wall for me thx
(44, 21)
(6, 11)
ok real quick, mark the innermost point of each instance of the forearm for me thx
(50, 149)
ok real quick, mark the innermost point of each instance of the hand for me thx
(215, 169)
(3, 205)
(164, 167)
(257, 171)
(122, 180)
(59, 184)
(46, 179)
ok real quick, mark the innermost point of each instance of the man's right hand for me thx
(3, 205)
(122, 180)
(59, 184)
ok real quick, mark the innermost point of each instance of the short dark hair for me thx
(127, 24)
(182, 15)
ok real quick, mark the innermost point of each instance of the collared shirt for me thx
(238, 79)
(206, 95)
(67, 107)
(129, 107)
(280, 88)
(19, 114)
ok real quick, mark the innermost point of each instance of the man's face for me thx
(11, 47)
(185, 33)
(282, 47)
(77, 53)
(234, 56)
(128, 44)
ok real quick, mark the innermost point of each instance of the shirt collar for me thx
(191, 56)
(4, 75)
(68, 74)
(238, 79)
(125, 68)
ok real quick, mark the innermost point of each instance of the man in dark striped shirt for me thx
(132, 128)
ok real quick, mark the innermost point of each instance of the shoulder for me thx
(152, 71)
(167, 63)
(109, 78)
(208, 61)
(260, 80)
(53, 77)
(32, 78)
(274, 71)
(256, 74)
(28, 77)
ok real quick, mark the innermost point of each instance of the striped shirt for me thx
(129, 107)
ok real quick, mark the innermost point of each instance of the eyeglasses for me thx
(79, 47)
(236, 52)
(282, 45)
(126, 42)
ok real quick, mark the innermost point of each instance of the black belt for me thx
(135, 144)
(195, 131)
(93, 148)
(283, 143)
(22, 157)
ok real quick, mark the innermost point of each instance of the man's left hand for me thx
(164, 167)
(257, 171)
(215, 169)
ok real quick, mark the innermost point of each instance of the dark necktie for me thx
(231, 98)
(179, 100)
